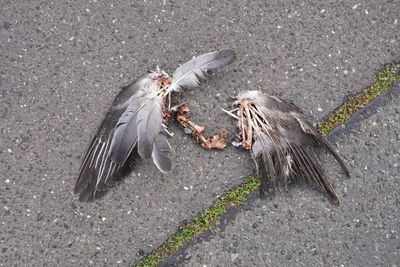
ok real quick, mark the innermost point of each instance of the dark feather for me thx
(283, 146)
(125, 136)
(320, 140)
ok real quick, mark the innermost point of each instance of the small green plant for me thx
(384, 79)
(201, 222)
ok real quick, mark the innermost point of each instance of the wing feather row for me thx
(287, 155)
(131, 130)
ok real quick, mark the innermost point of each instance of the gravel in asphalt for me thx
(62, 63)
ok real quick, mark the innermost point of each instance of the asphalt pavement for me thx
(62, 62)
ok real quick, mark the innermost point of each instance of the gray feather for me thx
(161, 151)
(308, 129)
(125, 136)
(189, 73)
(149, 122)
(260, 145)
(283, 142)
(112, 153)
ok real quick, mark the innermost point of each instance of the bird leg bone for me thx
(166, 115)
(244, 118)
(163, 82)
(216, 141)
(247, 128)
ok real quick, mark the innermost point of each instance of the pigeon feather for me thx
(113, 151)
(125, 136)
(149, 123)
(160, 154)
(189, 74)
(283, 142)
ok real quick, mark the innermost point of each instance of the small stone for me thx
(6, 25)
(234, 256)
(39, 216)
(73, 206)
(91, 44)
(6, 210)
(141, 252)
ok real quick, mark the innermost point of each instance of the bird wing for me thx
(321, 140)
(112, 153)
(190, 73)
(287, 107)
(285, 152)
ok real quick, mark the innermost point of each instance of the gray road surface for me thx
(63, 61)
